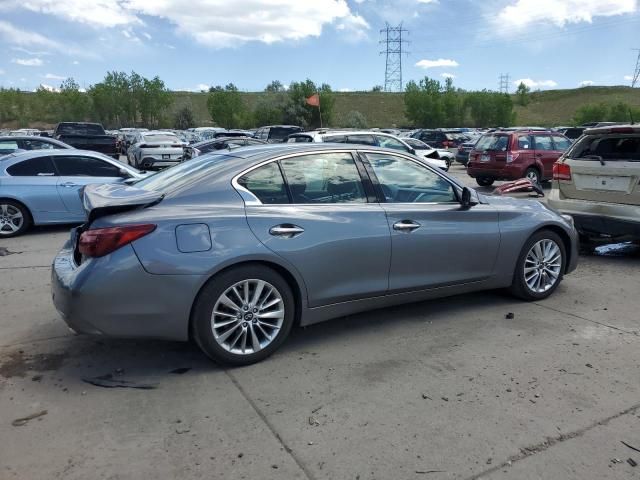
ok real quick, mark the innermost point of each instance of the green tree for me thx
(73, 104)
(522, 94)
(184, 119)
(377, 88)
(226, 106)
(591, 113)
(355, 119)
(424, 103)
(298, 112)
(275, 87)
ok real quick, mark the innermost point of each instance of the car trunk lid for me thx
(102, 200)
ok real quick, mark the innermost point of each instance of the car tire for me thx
(485, 181)
(551, 245)
(15, 218)
(212, 306)
(533, 174)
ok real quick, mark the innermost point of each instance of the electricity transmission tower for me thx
(393, 41)
(636, 75)
(504, 83)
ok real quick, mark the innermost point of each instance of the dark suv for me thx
(512, 155)
(438, 138)
(276, 133)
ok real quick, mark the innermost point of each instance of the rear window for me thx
(300, 139)
(160, 138)
(493, 142)
(176, 177)
(80, 129)
(280, 133)
(610, 147)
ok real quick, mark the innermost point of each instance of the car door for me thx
(323, 221)
(546, 154)
(34, 182)
(434, 242)
(76, 171)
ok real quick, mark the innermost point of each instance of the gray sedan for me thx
(234, 248)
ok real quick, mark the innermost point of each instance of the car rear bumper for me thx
(598, 219)
(115, 296)
(499, 172)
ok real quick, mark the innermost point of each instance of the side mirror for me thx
(469, 198)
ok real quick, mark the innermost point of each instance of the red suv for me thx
(510, 155)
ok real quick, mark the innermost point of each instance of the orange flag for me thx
(314, 100)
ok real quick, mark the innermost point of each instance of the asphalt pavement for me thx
(446, 389)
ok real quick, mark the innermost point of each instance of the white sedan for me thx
(155, 150)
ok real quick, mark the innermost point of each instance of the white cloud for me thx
(447, 75)
(52, 76)
(345, 90)
(201, 86)
(49, 87)
(19, 38)
(628, 78)
(522, 13)
(76, 62)
(441, 62)
(27, 62)
(214, 23)
(536, 83)
(354, 25)
(146, 35)
(586, 83)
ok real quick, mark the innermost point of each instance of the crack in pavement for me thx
(28, 266)
(271, 428)
(531, 450)
(631, 332)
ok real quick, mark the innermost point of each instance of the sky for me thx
(546, 44)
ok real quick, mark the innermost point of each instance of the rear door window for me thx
(524, 142)
(266, 183)
(335, 139)
(362, 140)
(493, 142)
(41, 166)
(561, 143)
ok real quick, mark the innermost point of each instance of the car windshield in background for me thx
(415, 143)
(626, 148)
(493, 142)
(280, 133)
(82, 129)
(160, 138)
(174, 178)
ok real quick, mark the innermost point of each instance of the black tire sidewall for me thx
(520, 287)
(26, 215)
(484, 181)
(201, 320)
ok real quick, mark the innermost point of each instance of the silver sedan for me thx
(233, 249)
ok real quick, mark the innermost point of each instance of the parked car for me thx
(14, 143)
(436, 138)
(276, 133)
(42, 187)
(429, 153)
(510, 155)
(234, 248)
(155, 149)
(378, 139)
(206, 146)
(462, 155)
(572, 133)
(87, 136)
(596, 182)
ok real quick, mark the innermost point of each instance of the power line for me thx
(636, 75)
(504, 83)
(393, 41)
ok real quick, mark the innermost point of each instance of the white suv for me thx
(431, 156)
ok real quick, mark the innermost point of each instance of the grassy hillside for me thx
(547, 108)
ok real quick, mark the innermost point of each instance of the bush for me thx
(355, 119)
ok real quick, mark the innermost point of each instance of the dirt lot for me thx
(440, 390)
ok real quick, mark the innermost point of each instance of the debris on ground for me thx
(588, 365)
(489, 461)
(632, 462)
(316, 409)
(426, 397)
(181, 370)
(19, 422)
(446, 399)
(107, 381)
(424, 472)
(313, 422)
(36, 378)
(5, 251)
(630, 446)
(616, 460)
(180, 431)
(510, 316)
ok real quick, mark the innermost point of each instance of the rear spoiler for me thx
(105, 199)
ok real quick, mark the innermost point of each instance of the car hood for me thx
(511, 202)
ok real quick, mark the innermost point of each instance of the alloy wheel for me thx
(532, 175)
(11, 219)
(542, 265)
(247, 317)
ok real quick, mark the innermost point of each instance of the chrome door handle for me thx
(406, 226)
(68, 184)
(286, 230)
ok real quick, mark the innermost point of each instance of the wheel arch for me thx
(288, 276)
(564, 236)
(26, 207)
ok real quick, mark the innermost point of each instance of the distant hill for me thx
(547, 108)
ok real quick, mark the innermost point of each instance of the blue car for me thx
(42, 187)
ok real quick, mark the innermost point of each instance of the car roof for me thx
(612, 129)
(32, 137)
(223, 139)
(27, 154)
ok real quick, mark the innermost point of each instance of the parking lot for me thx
(474, 386)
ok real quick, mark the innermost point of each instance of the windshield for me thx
(160, 138)
(80, 129)
(493, 142)
(175, 177)
(280, 133)
(611, 147)
(415, 143)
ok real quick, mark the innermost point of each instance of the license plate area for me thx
(602, 182)
(166, 156)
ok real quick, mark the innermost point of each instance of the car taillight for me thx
(561, 171)
(512, 157)
(99, 242)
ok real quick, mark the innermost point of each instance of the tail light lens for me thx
(561, 171)
(512, 157)
(99, 242)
